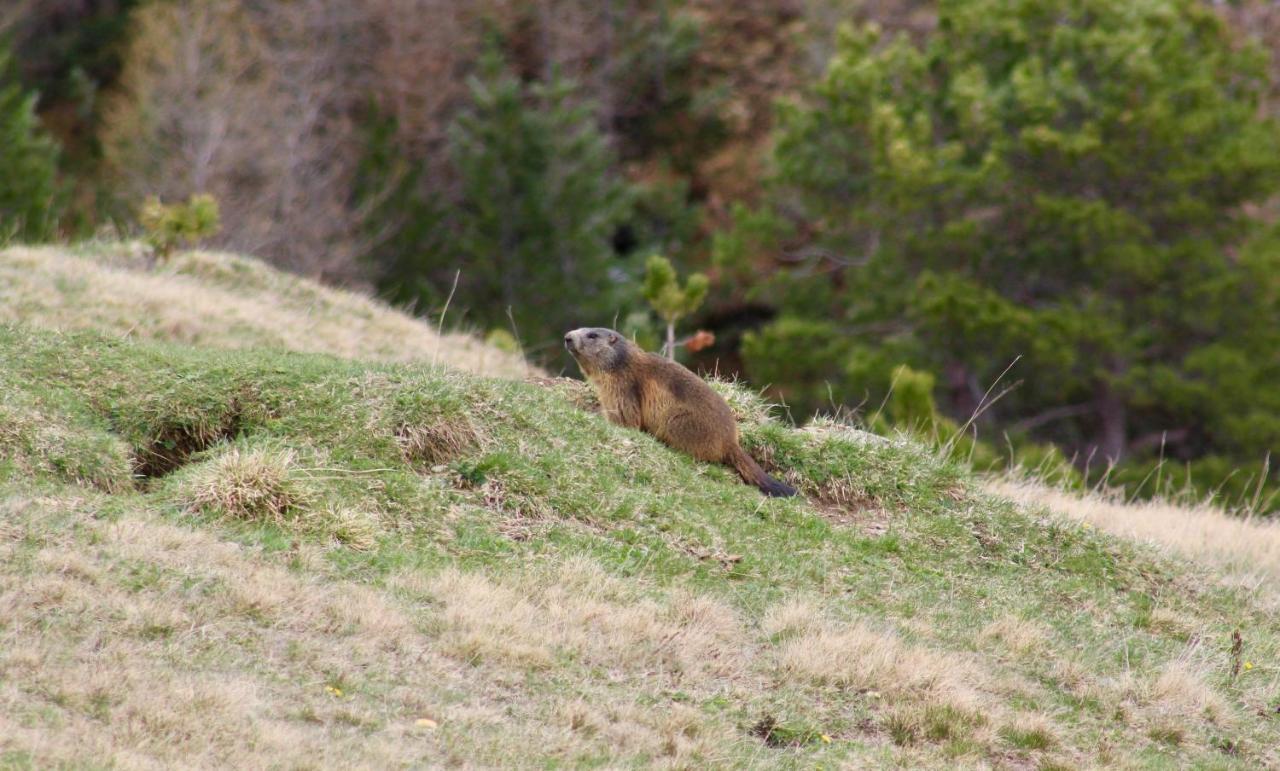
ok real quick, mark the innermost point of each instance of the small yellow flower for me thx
(826, 738)
(426, 722)
(1087, 526)
(333, 689)
(1248, 665)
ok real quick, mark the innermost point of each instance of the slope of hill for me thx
(254, 558)
(223, 301)
(1241, 550)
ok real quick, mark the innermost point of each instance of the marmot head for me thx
(598, 349)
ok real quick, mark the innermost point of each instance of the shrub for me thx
(168, 226)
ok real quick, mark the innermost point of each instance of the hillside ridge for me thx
(225, 301)
(244, 557)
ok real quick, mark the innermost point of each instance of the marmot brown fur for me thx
(654, 394)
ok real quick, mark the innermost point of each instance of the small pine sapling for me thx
(170, 225)
(671, 301)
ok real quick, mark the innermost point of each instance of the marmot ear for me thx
(613, 338)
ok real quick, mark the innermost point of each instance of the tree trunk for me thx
(671, 341)
(1114, 432)
(965, 400)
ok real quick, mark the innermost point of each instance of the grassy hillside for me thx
(257, 558)
(223, 301)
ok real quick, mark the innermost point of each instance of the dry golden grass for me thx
(223, 301)
(1030, 731)
(791, 618)
(161, 646)
(141, 644)
(441, 441)
(1245, 551)
(1181, 692)
(580, 611)
(255, 484)
(1017, 635)
(857, 657)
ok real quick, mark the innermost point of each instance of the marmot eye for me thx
(592, 335)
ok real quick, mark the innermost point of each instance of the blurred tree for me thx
(251, 103)
(1065, 181)
(531, 228)
(28, 164)
(70, 52)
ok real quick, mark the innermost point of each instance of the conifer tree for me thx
(1065, 181)
(28, 163)
(539, 202)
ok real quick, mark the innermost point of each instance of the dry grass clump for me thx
(826, 427)
(254, 485)
(1019, 636)
(919, 695)
(1180, 691)
(917, 722)
(791, 618)
(1246, 550)
(679, 735)
(440, 441)
(224, 301)
(1176, 694)
(860, 658)
(748, 406)
(353, 528)
(1030, 731)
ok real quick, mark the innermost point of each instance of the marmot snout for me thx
(654, 394)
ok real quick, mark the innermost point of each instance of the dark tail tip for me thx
(775, 489)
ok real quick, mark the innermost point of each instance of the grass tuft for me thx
(860, 658)
(256, 485)
(431, 444)
(1030, 732)
(1019, 636)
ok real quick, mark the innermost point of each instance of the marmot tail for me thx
(752, 474)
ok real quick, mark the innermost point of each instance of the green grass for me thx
(554, 591)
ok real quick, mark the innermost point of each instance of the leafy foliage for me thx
(168, 226)
(1064, 183)
(670, 300)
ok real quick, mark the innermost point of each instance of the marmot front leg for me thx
(627, 418)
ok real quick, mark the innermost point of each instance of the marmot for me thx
(654, 394)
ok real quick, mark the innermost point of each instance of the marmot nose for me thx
(568, 340)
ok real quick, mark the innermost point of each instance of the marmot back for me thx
(654, 394)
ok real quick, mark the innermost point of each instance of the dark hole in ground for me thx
(778, 736)
(175, 443)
